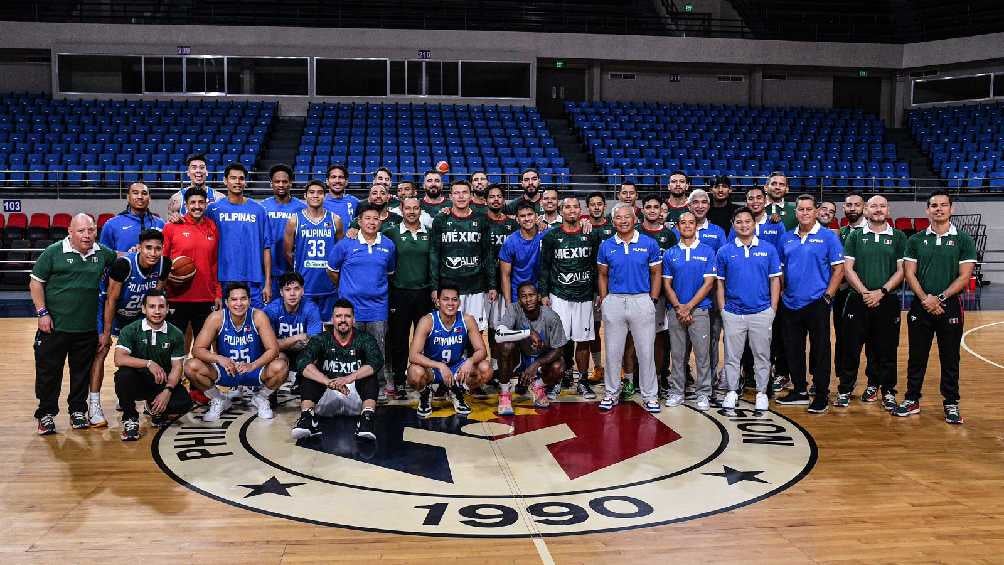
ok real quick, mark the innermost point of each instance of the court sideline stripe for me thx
(973, 353)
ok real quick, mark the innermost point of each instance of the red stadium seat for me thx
(834, 224)
(844, 221)
(921, 224)
(60, 225)
(904, 224)
(104, 218)
(17, 226)
(38, 226)
(3, 222)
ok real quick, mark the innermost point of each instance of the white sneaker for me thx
(703, 403)
(217, 406)
(730, 400)
(674, 400)
(261, 403)
(762, 403)
(96, 414)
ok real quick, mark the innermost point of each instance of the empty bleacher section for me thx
(45, 142)
(965, 144)
(411, 138)
(817, 148)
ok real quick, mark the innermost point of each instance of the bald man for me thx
(64, 289)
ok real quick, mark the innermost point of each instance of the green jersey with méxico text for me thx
(460, 252)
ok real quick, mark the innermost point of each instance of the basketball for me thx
(182, 270)
(443, 167)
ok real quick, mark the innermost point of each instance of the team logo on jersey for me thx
(553, 472)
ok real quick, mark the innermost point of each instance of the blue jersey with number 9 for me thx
(447, 344)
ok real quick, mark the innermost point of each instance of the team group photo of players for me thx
(434, 294)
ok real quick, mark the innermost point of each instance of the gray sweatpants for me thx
(635, 313)
(715, 315)
(379, 332)
(757, 328)
(698, 334)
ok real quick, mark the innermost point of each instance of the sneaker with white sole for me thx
(762, 402)
(424, 409)
(703, 403)
(263, 406)
(889, 402)
(952, 414)
(505, 404)
(842, 400)
(78, 421)
(540, 397)
(95, 415)
(583, 389)
(554, 391)
(130, 430)
(608, 403)
(217, 406)
(306, 425)
(653, 406)
(460, 405)
(674, 399)
(730, 400)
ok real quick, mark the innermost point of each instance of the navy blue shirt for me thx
(808, 264)
(121, 233)
(628, 263)
(364, 272)
(747, 272)
(765, 230)
(306, 319)
(278, 215)
(524, 256)
(688, 268)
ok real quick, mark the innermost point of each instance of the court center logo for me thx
(562, 471)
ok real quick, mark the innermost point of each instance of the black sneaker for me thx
(952, 415)
(819, 404)
(780, 383)
(160, 420)
(585, 390)
(459, 404)
(46, 425)
(793, 398)
(871, 394)
(424, 403)
(842, 400)
(306, 425)
(907, 408)
(366, 426)
(130, 430)
(78, 421)
(889, 401)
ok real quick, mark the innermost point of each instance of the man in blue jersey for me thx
(245, 353)
(437, 354)
(294, 320)
(280, 207)
(121, 233)
(519, 257)
(244, 254)
(308, 240)
(337, 200)
(813, 260)
(195, 168)
(130, 278)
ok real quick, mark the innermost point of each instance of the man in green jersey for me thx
(499, 228)
(939, 263)
(676, 202)
(602, 228)
(433, 201)
(149, 356)
(653, 226)
(460, 254)
(776, 188)
(339, 369)
(530, 181)
(873, 267)
(567, 284)
(479, 191)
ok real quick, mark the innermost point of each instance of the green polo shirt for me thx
(938, 257)
(71, 284)
(161, 346)
(787, 213)
(412, 257)
(875, 255)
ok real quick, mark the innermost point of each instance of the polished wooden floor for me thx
(885, 490)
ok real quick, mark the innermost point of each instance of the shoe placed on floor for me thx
(217, 406)
(306, 426)
(382, 396)
(793, 398)
(366, 426)
(819, 404)
(703, 403)
(889, 401)
(130, 430)
(198, 397)
(842, 400)
(161, 420)
(871, 394)
(78, 421)
(730, 400)
(402, 393)
(627, 389)
(424, 403)
(540, 397)
(674, 400)
(952, 415)
(907, 408)
(505, 404)
(554, 391)
(46, 425)
(608, 403)
(583, 389)
(653, 406)
(460, 405)
(262, 405)
(780, 383)
(762, 402)
(95, 415)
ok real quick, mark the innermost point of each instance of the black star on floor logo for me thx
(733, 476)
(271, 486)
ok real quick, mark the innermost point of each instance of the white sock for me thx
(265, 392)
(213, 393)
(94, 397)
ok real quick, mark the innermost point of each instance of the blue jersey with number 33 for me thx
(314, 241)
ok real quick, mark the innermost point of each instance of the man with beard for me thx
(407, 190)
(280, 207)
(195, 169)
(777, 188)
(627, 193)
(433, 202)
(479, 191)
(377, 200)
(676, 202)
(121, 233)
(722, 208)
(827, 211)
(337, 200)
(530, 181)
(308, 239)
(549, 216)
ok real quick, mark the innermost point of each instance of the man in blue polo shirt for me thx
(121, 233)
(749, 287)
(280, 207)
(688, 277)
(629, 266)
(813, 261)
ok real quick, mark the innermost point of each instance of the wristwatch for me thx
(828, 298)
(42, 312)
(942, 297)
(169, 388)
(883, 290)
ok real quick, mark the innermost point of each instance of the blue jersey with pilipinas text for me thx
(243, 230)
(242, 344)
(315, 240)
(446, 344)
(306, 319)
(278, 215)
(130, 303)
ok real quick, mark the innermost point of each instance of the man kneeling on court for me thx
(246, 353)
(534, 333)
(437, 353)
(149, 356)
(338, 376)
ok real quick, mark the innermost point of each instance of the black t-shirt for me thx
(121, 268)
(722, 217)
